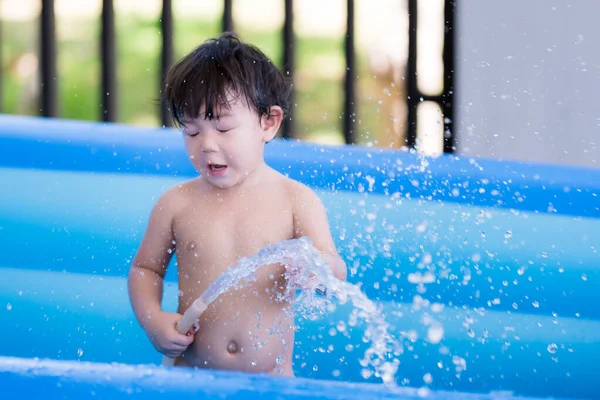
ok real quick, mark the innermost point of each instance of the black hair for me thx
(218, 66)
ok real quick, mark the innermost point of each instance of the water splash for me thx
(307, 270)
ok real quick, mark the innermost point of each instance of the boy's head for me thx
(208, 76)
(229, 99)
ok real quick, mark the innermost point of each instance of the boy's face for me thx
(228, 149)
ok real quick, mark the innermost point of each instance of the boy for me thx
(229, 100)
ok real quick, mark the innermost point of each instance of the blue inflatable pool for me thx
(499, 260)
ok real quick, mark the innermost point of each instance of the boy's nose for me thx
(208, 144)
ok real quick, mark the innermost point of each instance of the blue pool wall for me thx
(79, 193)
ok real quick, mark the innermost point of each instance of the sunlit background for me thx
(381, 43)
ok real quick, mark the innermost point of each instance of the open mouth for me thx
(216, 167)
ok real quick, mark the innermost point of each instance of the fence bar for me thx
(288, 65)
(411, 76)
(108, 97)
(349, 85)
(166, 56)
(49, 100)
(448, 56)
(227, 24)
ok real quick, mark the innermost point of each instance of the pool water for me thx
(485, 296)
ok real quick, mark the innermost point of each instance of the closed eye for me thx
(224, 129)
(188, 131)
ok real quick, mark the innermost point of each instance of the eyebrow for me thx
(221, 115)
(225, 114)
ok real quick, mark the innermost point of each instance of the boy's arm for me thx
(145, 282)
(310, 219)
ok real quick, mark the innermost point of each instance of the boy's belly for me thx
(241, 333)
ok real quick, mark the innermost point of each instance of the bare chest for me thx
(211, 237)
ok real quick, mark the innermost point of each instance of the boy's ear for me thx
(270, 124)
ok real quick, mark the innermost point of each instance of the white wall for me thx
(528, 80)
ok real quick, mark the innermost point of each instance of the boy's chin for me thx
(221, 183)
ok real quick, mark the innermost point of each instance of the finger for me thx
(183, 340)
(189, 339)
(180, 342)
(175, 350)
(173, 354)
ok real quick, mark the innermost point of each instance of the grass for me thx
(319, 74)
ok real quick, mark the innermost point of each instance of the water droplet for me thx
(584, 277)
(315, 368)
(552, 348)
(427, 378)
(508, 234)
(79, 352)
(254, 363)
(9, 307)
(461, 363)
(521, 271)
(435, 334)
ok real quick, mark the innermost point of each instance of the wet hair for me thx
(218, 67)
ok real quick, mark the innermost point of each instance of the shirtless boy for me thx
(229, 100)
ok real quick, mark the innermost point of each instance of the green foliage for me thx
(319, 75)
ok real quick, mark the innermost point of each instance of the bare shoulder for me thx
(276, 181)
(306, 204)
(177, 197)
(172, 196)
(302, 195)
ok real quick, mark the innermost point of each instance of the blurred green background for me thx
(319, 74)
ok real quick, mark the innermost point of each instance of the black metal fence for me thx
(108, 100)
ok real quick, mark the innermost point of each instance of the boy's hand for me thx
(164, 336)
(297, 280)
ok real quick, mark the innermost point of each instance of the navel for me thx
(232, 347)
